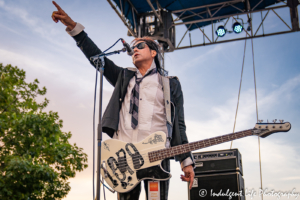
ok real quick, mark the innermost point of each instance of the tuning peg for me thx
(281, 120)
(274, 121)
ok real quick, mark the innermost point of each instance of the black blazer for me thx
(119, 78)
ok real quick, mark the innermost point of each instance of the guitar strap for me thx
(166, 89)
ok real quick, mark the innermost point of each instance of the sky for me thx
(210, 78)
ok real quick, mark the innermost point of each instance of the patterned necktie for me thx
(134, 99)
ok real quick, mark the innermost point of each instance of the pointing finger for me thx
(57, 6)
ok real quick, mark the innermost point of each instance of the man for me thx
(136, 108)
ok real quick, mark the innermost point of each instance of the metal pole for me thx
(99, 135)
(212, 31)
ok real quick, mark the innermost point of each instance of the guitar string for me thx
(124, 164)
(203, 144)
(124, 172)
(135, 160)
(184, 148)
(132, 160)
(176, 150)
(120, 170)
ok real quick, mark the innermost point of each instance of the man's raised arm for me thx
(86, 45)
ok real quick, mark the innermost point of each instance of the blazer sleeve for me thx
(180, 123)
(89, 48)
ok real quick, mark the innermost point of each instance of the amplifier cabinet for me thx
(229, 160)
(221, 186)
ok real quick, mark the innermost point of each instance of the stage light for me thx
(237, 27)
(221, 31)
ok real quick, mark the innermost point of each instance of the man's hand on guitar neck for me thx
(188, 175)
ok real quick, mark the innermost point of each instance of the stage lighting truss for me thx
(160, 24)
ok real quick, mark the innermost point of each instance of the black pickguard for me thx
(152, 172)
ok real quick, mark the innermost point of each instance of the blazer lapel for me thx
(126, 76)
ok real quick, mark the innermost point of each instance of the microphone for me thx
(128, 48)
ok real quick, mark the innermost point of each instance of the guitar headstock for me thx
(265, 129)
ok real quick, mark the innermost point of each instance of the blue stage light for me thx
(237, 27)
(221, 31)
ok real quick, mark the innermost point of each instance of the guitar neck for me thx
(185, 148)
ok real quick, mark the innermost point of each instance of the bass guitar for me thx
(124, 165)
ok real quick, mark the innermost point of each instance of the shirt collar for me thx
(153, 66)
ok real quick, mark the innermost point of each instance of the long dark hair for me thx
(156, 47)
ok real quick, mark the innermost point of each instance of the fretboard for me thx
(180, 149)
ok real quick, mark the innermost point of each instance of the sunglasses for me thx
(139, 45)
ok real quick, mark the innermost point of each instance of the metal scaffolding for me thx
(163, 25)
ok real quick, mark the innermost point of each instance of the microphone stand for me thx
(100, 66)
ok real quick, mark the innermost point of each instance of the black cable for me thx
(94, 140)
(103, 188)
(112, 45)
(239, 94)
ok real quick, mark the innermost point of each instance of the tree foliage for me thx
(36, 158)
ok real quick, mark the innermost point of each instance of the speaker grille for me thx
(218, 186)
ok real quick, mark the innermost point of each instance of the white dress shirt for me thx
(151, 115)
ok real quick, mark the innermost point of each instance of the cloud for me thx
(35, 24)
(59, 67)
(292, 178)
(284, 92)
(7, 56)
(11, 30)
(222, 116)
(195, 60)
